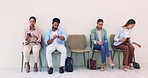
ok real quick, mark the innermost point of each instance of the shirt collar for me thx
(30, 29)
(51, 28)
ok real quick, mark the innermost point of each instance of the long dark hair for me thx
(130, 21)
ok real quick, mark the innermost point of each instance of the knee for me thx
(49, 49)
(105, 43)
(102, 48)
(126, 48)
(62, 49)
(132, 48)
(36, 48)
(26, 48)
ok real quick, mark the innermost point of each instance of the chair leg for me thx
(92, 55)
(71, 54)
(119, 59)
(40, 61)
(89, 60)
(84, 59)
(113, 55)
(96, 59)
(111, 58)
(25, 65)
(72, 58)
(105, 63)
(47, 67)
(22, 62)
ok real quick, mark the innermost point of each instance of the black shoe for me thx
(50, 70)
(61, 70)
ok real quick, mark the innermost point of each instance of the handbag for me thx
(92, 64)
(135, 64)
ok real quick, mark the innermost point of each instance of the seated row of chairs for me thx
(78, 44)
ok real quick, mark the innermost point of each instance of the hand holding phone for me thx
(28, 34)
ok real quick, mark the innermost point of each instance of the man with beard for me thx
(55, 40)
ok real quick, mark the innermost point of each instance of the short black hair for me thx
(32, 17)
(56, 20)
(99, 20)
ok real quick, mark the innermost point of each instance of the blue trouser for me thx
(104, 50)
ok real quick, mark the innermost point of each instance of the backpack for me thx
(68, 64)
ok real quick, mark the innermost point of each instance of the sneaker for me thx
(61, 70)
(50, 70)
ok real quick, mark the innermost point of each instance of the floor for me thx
(79, 72)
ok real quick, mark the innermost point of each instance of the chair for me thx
(97, 51)
(40, 61)
(115, 49)
(77, 44)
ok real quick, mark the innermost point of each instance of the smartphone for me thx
(127, 39)
(28, 34)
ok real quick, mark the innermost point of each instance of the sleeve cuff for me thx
(95, 42)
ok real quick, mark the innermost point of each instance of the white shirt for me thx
(52, 34)
(100, 35)
(127, 33)
(122, 33)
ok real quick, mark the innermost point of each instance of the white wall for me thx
(77, 16)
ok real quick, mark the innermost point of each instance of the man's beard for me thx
(54, 28)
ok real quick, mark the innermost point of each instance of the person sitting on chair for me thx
(55, 40)
(123, 41)
(99, 42)
(32, 39)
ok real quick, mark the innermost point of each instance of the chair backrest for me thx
(77, 42)
(112, 40)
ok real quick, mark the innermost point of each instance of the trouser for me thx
(104, 51)
(35, 49)
(128, 52)
(51, 48)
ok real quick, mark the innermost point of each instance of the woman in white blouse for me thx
(123, 42)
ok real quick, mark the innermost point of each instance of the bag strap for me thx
(133, 58)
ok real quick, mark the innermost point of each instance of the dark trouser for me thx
(128, 52)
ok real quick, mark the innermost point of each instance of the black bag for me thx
(68, 64)
(92, 64)
(135, 64)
